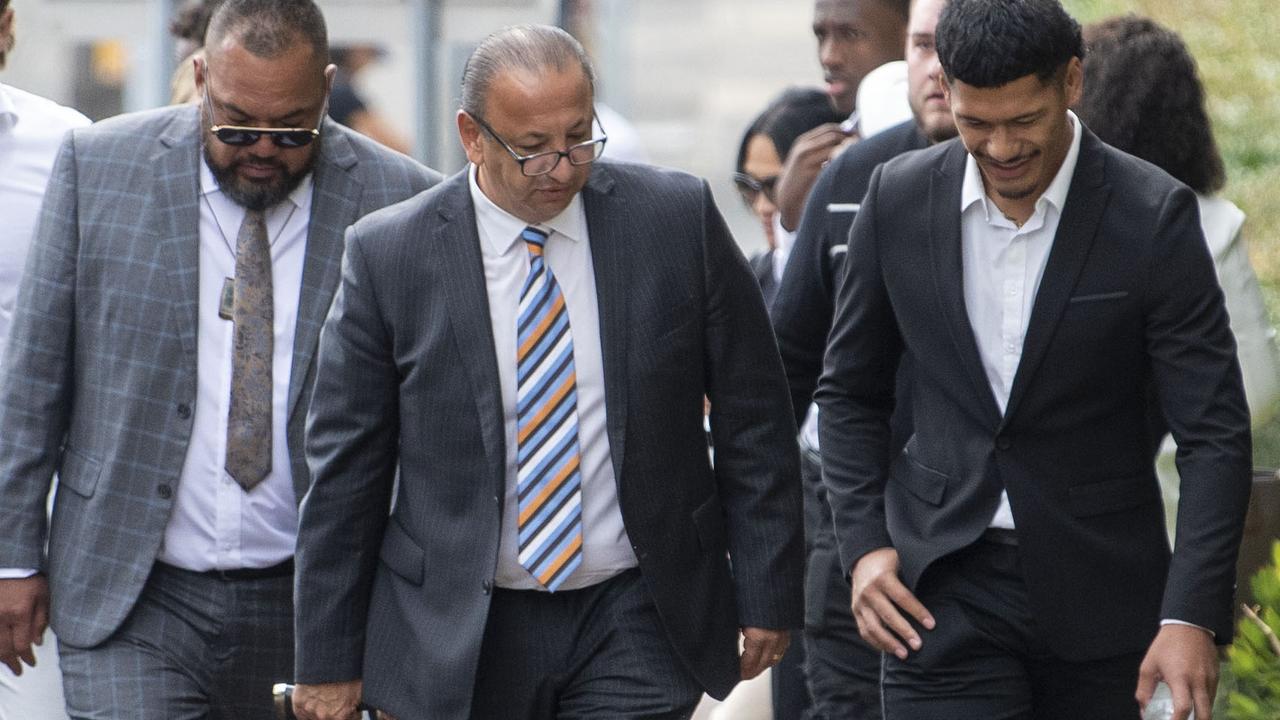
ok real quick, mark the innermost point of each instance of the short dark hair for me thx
(1142, 94)
(267, 28)
(519, 47)
(988, 43)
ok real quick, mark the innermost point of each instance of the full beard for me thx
(258, 195)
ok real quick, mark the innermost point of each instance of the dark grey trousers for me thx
(599, 652)
(195, 647)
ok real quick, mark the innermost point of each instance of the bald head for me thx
(269, 28)
(531, 49)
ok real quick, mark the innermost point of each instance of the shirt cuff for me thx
(16, 573)
(1168, 621)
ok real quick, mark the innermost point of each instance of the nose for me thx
(264, 147)
(1002, 146)
(764, 208)
(827, 55)
(562, 173)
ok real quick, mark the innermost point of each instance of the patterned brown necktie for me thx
(249, 422)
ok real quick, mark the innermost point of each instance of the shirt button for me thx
(184, 411)
(164, 491)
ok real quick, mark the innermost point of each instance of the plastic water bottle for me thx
(1161, 705)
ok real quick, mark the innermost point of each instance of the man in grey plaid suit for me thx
(160, 363)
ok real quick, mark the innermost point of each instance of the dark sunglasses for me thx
(751, 186)
(240, 136)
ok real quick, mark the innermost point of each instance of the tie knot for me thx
(536, 239)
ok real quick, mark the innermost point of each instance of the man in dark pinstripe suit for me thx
(544, 311)
(161, 361)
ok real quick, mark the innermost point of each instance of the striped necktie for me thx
(549, 482)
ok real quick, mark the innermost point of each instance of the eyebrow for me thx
(534, 137)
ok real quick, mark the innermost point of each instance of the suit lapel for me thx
(176, 189)
(457, 241)
(1086, 200)
(333, 208)
(948, 265)
(608, 226)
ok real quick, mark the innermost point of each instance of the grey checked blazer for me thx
(407, 373)
(100, 374)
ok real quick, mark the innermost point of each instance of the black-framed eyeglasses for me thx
(544, 162)
(751, 186)
(285, 138)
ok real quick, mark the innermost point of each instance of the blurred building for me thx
(689, 74)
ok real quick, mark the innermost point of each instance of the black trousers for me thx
(598, 652)
(842, 671)
(985, 659)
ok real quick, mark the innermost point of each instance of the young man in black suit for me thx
(1011, 560)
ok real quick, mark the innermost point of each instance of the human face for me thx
(924, 73)
(854, 38)
(533, 111)
(1018, 133)
(763, 165)
(285, 91)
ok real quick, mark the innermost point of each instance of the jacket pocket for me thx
(79, 472)
(920, 480)
(1100, 297)
(401, 553)
(1112, 495)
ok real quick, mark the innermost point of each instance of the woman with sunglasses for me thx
(761, 155)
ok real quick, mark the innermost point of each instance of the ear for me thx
(469, 132)
(200, 67)
(330, 73)
(1073, 82)
(945, 86)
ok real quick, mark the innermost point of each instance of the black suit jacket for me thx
(1128, 299)
(407, 375)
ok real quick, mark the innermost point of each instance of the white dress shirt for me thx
(215, 523)
(606, 549)
(1003, 264)
(31, 130)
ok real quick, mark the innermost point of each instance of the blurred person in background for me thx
(160, 362)
(843, 671)
(348, 106)
(854, 38)
(188, 28)
(1142, 94)
(31, 129)
(765, 145)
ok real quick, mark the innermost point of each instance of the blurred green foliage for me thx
(1252, 660)
(1234, 42)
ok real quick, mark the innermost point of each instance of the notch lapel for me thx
(176, 190)
(333, 208)
(946, 251)
(1077, 229)
(458, 242)
(608, 225)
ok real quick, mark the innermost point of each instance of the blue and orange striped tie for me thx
(549, 481)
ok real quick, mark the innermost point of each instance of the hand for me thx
(24, 615)
(800, 169)
(762, 649)
(328, 701)
(879, 598)
(1183, 657)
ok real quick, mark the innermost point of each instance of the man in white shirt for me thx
(1011, 561)
(160, 363)
(515, 366)
(31, 128)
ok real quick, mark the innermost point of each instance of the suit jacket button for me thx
(487, 586)
(1004, 443)
(164, 491)
(184, 411)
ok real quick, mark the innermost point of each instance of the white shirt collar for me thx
(1056, 194)
(300, 197)
(8, 110)
(503, 229)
